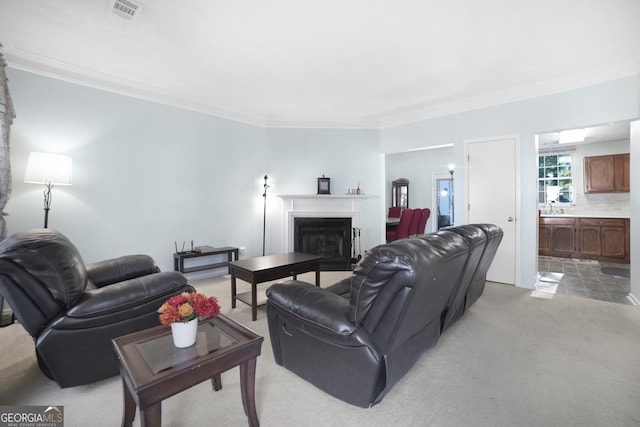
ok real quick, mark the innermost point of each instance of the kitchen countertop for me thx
(617, 215)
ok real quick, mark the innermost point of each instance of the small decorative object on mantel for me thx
(324, 185)
(183, 311)
(355, 191)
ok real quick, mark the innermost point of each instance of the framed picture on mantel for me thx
(324, 185)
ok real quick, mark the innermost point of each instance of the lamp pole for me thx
(47, 203)
(264, 215)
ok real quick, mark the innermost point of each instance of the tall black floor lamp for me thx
(264, 215)
(453, 204)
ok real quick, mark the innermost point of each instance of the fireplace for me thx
(348, 209)
(326, 237)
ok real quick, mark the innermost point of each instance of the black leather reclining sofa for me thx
(357, 338)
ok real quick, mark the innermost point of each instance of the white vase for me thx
(184, 334)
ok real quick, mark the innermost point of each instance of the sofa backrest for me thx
(401, 288)
(41, 274)
(476, 287)
(476, 240)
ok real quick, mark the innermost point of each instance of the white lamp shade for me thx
(46, 168)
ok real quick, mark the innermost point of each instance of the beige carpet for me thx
(512, 360)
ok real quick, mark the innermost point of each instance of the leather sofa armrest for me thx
(115, 270)
(126, 298)
(342, 288)
(313, 304)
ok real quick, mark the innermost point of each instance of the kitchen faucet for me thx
(550, 211)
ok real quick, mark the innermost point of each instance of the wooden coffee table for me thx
(266, 268)
(153, 369)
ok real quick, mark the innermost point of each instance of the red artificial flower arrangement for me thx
(187, 306)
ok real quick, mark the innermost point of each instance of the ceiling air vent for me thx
(126, 9)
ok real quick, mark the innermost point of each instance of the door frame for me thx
(435, 177)
(518, 195)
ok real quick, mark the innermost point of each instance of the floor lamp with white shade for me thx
(48, 169)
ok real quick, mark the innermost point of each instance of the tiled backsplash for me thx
(608, 202)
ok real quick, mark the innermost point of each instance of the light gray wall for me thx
(635, 208)
(350, 157)
(598, 104)
(146, 175)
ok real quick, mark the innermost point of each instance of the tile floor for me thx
(583, 278)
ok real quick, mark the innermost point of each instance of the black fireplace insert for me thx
(326, 237)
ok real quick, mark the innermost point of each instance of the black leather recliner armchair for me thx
(73, 311)
(357, 338)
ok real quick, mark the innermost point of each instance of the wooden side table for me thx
(270, 267)
(153, 369)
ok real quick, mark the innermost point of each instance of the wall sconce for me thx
(48, 169)
(451, 167)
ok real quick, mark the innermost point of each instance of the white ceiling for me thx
(327, 63)
(608, 132)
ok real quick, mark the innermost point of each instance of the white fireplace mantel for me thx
(324, 196)
(319, 206)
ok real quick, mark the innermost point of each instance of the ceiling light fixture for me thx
(569, 136)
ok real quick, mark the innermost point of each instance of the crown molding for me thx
(534, 90)
(86, 77)
(323, 124)
(59, 70)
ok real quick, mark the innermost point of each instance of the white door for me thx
(492, 184)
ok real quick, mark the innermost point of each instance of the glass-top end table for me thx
(160, 353)
(153, 369)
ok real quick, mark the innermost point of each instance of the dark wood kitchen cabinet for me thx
(606, 174)
(606, 239)
(603, 238)
(557, 236)
(545, 231)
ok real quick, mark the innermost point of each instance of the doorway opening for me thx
(588, 228)
(442, 200)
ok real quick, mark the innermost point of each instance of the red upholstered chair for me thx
(422, 225)
(413, 226)
(402, 231)
(394, 212)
